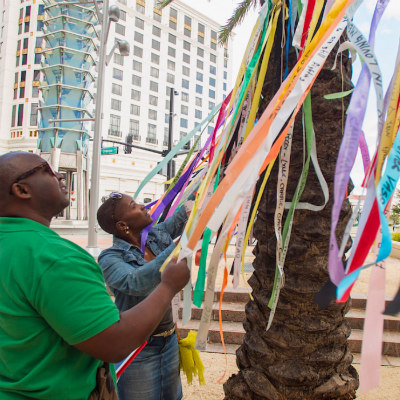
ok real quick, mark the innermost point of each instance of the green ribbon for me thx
(201, 275)
(287, 228)
(338, 95)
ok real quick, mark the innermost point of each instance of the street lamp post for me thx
(107, 15)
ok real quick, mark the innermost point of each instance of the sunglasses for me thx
(114, 197)
(43, 166)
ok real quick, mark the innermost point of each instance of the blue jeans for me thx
(154, 373)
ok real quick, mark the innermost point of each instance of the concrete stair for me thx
(233, 314)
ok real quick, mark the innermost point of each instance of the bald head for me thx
(29, 188)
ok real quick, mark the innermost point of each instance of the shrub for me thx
(396, 236)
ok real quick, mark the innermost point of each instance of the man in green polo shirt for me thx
(58, 324)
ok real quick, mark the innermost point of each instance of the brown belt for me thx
(165, 333)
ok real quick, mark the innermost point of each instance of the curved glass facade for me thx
(70, 38)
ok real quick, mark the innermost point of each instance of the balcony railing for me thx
(113, 132)
(151, 140)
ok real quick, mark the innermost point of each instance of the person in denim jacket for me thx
(131, 276)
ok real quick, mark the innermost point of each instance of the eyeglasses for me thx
(114, 197)
(43, 166)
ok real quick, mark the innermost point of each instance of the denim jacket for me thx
(129, 276)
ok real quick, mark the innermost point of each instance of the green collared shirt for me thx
(52, 296)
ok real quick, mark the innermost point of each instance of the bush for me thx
(396, 236)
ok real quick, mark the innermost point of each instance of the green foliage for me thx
(395, 209)
(396, 236)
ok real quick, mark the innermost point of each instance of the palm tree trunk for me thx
(304, 355)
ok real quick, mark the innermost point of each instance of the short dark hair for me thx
(104, 217)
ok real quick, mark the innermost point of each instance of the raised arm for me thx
(130, 280)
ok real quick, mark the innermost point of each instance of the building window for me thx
(171, 51)
(118, 59)
(171, 38)
(135, 109)
(26, 26)
(116, 89)
(35, 91)
(155, 44)
(157, 14)
(186, 45)
(38, 58)
(137, 51)
(200, 33)
(200, 52)
(213, 58)
(211, 105)
(200, 64)
(184, 109)
(185, 96)
(39, 25)
(155, 58)
(199, 102)
(153, 100)
(173, 18)
(199, 89)
(120, 29)
(153, 86)
(213, 70)
(116, 104)
(151, 134)
(34, 114)
(136, 80)
(14, 111)
(167, 104)
(211, 93)
(198, 114)
(134, 129)
(213, 42)
(225, 63)
(185, 83)
(186, 58)
(185, 71)
(152, 114)
(154, 72)
(138, 37)
(139, 23)
(137, 66)
(199, 76)
(184, 123)
(171, 65)
(22, 85)
(156, 31)
(118, 74)
(187, 28)
(171, 78)
(140, 8)
(20, 117)
(115, 123)
(224, 86)
(210, 129)
(122, 15)
(212, 81)
(135, 94)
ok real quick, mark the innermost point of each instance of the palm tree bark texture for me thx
(304, 355)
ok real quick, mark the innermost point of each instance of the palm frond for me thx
(236, 18)
(162, 3)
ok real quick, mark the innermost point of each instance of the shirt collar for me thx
(15, 224)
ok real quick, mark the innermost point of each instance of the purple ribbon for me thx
(349, 147)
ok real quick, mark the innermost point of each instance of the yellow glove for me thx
(189, 358)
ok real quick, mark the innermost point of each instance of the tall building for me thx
(175, 47)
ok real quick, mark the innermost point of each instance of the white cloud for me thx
(392, 10)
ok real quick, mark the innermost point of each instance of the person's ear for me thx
(121, 226)
(21, 190)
